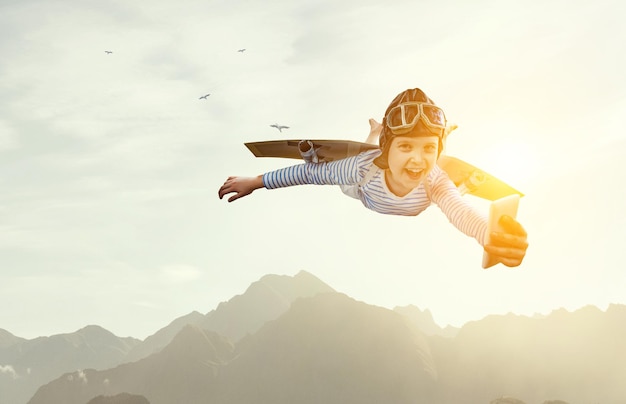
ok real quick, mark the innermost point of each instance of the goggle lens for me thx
(403, 118)
(435, 115)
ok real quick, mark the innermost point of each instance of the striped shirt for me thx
(375, 194)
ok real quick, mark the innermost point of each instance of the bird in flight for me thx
(108, 52)
(242, 50)
(279, 127)
(204, 97)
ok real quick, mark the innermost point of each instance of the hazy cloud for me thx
(180, 273)
(8, 370)
(80, 376)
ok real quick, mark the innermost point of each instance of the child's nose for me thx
(417, 156)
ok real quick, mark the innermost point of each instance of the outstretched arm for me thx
(511, 244)
(241, 186)
(508, 245)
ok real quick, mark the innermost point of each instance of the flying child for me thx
(400, 178)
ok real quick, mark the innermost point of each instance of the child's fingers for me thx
(506, 252)
(512, 226)
(222, 191)
(509, 256)
(237, 185)
(226, 187)
(509, 246)
(239, 194)
(508, 240)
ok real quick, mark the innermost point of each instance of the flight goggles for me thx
(402, 118)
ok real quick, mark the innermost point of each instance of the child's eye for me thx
(431, 148)
(404, 146)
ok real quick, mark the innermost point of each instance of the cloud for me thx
(80, 376)
(179, 273)
(146, 304)
(8, 369)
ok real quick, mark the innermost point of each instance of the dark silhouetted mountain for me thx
(332, 349)
(183, 372)
(37, 361)
(425, 322)
(164, 336)
(122, 398)
(325, 349)
(91, 346)
(264, 300)
(7, 339)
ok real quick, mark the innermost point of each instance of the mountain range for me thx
(296, 340)
(27, 364)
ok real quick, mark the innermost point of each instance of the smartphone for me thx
(500, 207)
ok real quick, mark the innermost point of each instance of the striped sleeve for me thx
(339, 172)
(458, 211)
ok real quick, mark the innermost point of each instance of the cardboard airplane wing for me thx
(326, 150)
(475, 181)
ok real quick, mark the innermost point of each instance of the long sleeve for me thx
(339, 172)
(458, 211)
(375, 195)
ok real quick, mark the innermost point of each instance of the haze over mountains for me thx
(296, 340)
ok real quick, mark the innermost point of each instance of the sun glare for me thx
(512, 161)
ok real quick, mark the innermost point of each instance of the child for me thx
(400, 178)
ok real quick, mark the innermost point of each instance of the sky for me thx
(110, 163)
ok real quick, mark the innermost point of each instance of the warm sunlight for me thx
(125, 268)
(512, 160)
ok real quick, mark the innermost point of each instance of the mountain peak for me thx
(155, 342)
(94, 331)
(332, 347)
(243, 314)
(264, 300)
(288, 288)
(7, 339)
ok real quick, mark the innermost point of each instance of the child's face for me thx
(410, 159)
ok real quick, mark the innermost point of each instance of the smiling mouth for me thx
(414, 173)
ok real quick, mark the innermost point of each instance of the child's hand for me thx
(375, 129)
(241, 186)
(511, 244)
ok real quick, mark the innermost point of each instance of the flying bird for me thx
(242, 50)
(279, 127)
(107, 52)
(204, 97)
